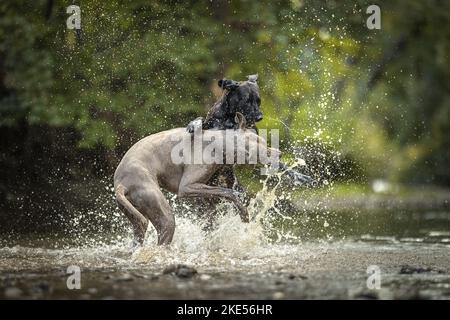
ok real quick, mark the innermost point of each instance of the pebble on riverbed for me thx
(411, 270)
(278, 295)
(180, 270)
(363, 294)
(125, 277)
(205, 277)
(41, 288)
(13, 293)
(299, 276)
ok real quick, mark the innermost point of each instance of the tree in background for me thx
(379, 99)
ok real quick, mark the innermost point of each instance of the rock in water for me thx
(410, 269)
(13, 293)
(180, 270)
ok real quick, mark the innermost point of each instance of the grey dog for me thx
(148, 167)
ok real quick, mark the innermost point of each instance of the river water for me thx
(303, 254)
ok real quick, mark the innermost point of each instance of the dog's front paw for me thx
(194, 125)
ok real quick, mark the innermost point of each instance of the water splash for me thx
(232, 244)
(100, 237)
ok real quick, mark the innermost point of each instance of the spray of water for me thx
(101, 237)
(232, 244)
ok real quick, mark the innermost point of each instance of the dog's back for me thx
(149, 158)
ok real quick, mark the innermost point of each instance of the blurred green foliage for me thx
(377, 98)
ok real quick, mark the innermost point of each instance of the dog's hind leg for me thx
(138, 221)
(154, 206)
(203, 190)
(192, 185)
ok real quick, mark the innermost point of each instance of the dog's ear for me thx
(253, 78)
(240, 120)
(228, 84)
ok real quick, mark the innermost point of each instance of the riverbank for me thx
(363, 197)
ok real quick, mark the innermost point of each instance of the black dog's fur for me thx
(240, 97)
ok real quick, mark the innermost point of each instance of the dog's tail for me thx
(136, 218)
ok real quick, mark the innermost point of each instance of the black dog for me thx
(240, 97)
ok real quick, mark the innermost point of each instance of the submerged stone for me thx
(410, 269)
(13, 293)
(180, 270)
(125, 277)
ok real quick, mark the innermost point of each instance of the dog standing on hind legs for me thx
(148, 167)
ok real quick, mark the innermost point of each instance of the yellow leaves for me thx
(71, 39)
(292, 85)
(415, 151)
(297, 5)
(264, 36)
